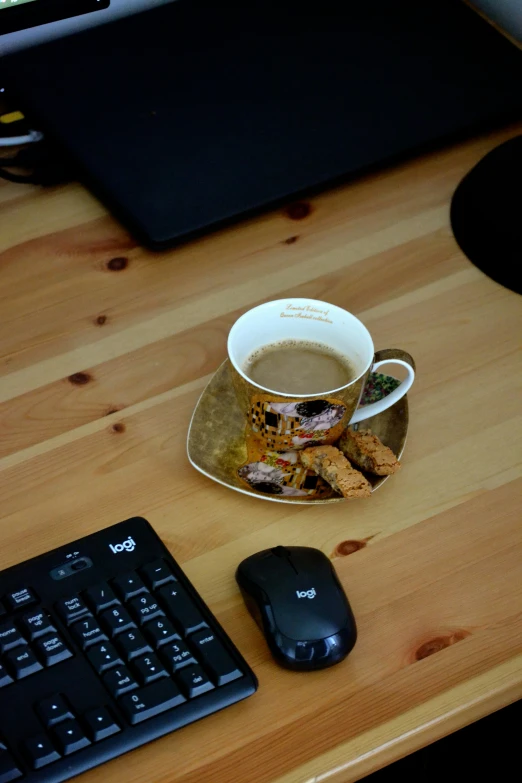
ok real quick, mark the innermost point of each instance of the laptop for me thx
(185, 116)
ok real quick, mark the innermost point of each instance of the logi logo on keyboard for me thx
(126, 546)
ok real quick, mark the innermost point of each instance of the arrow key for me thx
(53, 709)
(40, 751)
(70, 737)
(100, 723)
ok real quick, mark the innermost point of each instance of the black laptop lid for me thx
(194, 114)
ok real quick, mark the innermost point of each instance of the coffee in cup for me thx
(299, 367)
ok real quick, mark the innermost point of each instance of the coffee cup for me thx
(281, 420)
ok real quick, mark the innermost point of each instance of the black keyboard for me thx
(105, 645)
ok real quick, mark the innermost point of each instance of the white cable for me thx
(13, 141)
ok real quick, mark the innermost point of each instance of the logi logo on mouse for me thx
(306, 593)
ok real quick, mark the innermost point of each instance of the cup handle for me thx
(388, 356)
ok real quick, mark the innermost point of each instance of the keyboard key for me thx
(37, 623)
(100, 724)
(177, 655)
(70, 737)
(215, 657)
(9, 769)
(129, 585)
(157, 574)
(5, 678)
(119, 681)
(132, 644)
(10, 637)
(88, 632)
(116, 620)
(22, 662)
(52, 650)
(146, 608)
(20, 598)
(71, 609)
(104, 656)
(182, 608)
(53, 710)
(100, 597)
(194, 681)
(161, 631)
(150, 701)
(149, 668)
(40, 751)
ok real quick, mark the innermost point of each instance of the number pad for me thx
(214, 657)
(149, 668)
(177, 655)
(116, 620)
(161, 631)
(120, 681)
(129, 585)
(151, 701)
(182, 608)
(157, 574)
(88, 632)
(132, 644)
(194, 681)
(100, 597)
(104, 657)
(146, 608)
(71, 609)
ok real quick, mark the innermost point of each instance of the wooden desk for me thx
(105, 349)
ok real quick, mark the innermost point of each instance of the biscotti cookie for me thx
(331, 464)
(366, 451)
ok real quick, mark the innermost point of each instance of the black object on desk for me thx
(105, 645)
(486, 214)
(191, 115)
(296, 598)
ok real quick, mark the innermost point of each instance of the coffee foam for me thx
(307, 345)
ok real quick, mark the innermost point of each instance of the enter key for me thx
(214, 657)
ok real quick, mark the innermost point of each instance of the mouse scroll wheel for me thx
(284, 554)
(281, 551)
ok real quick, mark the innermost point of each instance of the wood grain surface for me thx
(104, 350)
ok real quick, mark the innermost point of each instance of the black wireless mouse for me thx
(295, 597)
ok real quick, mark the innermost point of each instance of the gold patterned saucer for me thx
(217, 447)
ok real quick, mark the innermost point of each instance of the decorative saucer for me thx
(218, 447)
